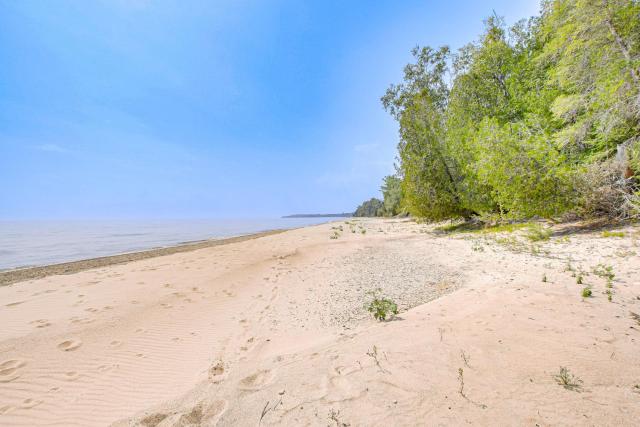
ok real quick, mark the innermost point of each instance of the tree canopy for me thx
(532, 120)
(370, 208)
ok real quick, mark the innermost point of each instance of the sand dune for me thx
(273, 331)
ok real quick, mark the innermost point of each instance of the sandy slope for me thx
(273, 331)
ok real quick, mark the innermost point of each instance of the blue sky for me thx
(220, 108)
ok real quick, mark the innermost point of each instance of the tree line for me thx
(538, 119)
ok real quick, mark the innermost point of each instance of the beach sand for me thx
(274, 331)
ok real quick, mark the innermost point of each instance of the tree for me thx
(370, 208)
(531, 112)
(392, 195)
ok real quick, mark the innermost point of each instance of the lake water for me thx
(33, 243)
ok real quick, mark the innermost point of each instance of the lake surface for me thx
(34, 243)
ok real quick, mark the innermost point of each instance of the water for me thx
(33, 243)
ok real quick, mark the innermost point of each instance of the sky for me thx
(207, 109)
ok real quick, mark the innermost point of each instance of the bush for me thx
(537, 233)
(586, 292)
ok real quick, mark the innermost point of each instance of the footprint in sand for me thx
(115, 343)
(10, 370)
(257, 381)
(40, 323)
(71, 376)
(153, 420)
(69, 345)
(6, 409)
(203, 414)
(217, 372)
(30, 403)
(82, 320)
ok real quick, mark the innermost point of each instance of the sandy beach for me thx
(273, 330)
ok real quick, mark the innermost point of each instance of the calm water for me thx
(31, 243)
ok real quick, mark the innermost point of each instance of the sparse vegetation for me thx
(604, 271)
(544, 278)
(382, 308)
(536, 233)
(586, 292)
(477, 246)
(567, 380)
(613, 234)
(373, 353)
(465, 358)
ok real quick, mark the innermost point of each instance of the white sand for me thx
(273, 331)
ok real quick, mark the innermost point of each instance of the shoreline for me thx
(21, 274)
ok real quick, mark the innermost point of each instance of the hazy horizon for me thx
(228, 109)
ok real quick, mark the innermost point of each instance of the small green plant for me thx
(544, 278)
(537, 233)
(613, 234)
(363, 231)
(586, 292)
(609, 295)
(381, 307)
(579, 279)
(567, 380)
(335, 235)
(604, 271)
(477, 246)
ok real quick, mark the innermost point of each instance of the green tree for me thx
(392, 195)
(370, 208)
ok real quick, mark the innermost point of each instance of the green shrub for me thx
(567, 380)
(381, 308)
(604, 271)
(586, 292)
(613, 234)
(537, 233)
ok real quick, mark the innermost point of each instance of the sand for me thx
(274, 331)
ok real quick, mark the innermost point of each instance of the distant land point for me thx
(333, 215)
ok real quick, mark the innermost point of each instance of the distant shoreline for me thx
(335, 215)
(8, 277)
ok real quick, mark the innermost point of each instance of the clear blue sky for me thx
(174, 109)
